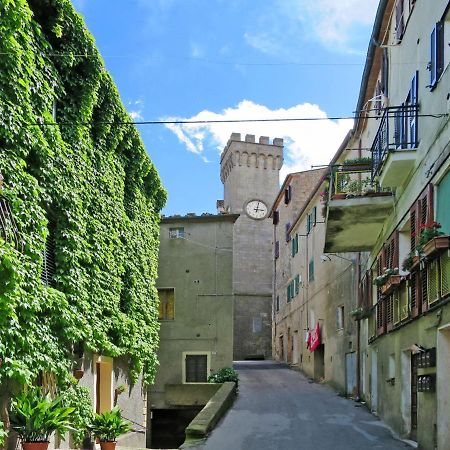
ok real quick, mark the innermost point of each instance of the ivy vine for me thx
(93, 181)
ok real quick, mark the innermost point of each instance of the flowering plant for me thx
(324, 197)
(382, 279)
(429, 231)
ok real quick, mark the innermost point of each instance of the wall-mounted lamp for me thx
(326, 257)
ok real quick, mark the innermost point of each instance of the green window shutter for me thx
(443, 211)
(288, 294)
(296, 243)
(293, 247)
(297, 284)
(314, 213)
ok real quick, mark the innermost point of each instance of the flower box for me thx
(391, 283)
(436, 244)
(356, 167)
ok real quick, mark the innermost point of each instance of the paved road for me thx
(278, 409)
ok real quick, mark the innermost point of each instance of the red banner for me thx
(314, 340)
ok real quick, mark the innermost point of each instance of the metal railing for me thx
(397, 132)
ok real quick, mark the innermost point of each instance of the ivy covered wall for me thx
(89, 179)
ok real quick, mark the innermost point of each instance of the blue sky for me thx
(232, 59)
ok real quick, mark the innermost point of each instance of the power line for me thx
(215, 61)
(205, 122)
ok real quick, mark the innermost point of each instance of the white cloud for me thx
(306, 142)
(334, 21)
(135, 115)
(135, 109)
(339, 25)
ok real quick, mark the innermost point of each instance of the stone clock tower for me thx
(249, 171)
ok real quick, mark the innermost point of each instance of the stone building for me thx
(196, 317)
(312, 289)
(405, 276)
(249, 171)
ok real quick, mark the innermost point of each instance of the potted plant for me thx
(357, 164)
(432, 239)
(35, 416)
(388, 280)
(108, 426)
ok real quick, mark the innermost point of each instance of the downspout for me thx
(358, 330)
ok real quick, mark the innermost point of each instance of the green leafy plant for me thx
(3, 434)
(429, 231)
(408, 262)
(109, 425)
(35, 416)
(79, 398)
(384, 277)
(223, 375)
(91, 183)
(366, 160)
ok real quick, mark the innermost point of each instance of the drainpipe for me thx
(358, 331)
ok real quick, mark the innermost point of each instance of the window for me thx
(287, 194)
(311, 220)
(166, 303)
(340, 317)
(436, 64)
(49, 266)
(287, 228)
(421, 213)
(278, 303)
(311, 271)
(297, 284)
(257, 324)
(277, 249)
(405, 119)
(176, 233)
(294, 245)
(276, 217)
(196, 367)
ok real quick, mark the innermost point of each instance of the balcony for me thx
(357, 209)
(394, 146)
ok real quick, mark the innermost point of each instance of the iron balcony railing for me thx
(354, 183)
(397, 132)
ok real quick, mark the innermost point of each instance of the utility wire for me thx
(214, 61)
(203, 122)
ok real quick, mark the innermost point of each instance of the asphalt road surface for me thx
(279, 409)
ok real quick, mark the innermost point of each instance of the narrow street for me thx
(278, 408)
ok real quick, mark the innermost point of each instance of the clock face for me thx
(256, 209)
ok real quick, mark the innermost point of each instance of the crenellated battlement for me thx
(248, 152)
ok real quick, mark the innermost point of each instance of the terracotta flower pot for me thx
(35, 445)
(108, 445)
(78, 373)
(435, 244)
(391, 283)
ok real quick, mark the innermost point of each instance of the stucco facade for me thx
(403, 118)
(249, 171)
(311, 288)
(196, 264)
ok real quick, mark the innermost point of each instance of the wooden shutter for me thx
(391, 252)
(385, 72)
(399, 20)
(421, 213)
(389, 302)
(276, 217)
